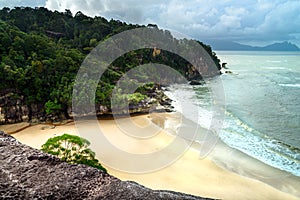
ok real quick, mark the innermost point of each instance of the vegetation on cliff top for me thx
(41, 52)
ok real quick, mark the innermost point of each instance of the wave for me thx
(274, 61)
(276, 68)
(193, 103)
(239, 135)
(297, 85)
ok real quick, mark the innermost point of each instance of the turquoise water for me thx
(262, 117)
(263, 106)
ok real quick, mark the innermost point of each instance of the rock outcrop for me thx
(27, 173)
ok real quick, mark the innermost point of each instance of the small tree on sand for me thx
(72, 149)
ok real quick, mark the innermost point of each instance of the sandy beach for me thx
(188, 174)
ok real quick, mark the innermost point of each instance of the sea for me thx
(262, 106)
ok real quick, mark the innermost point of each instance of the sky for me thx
(254, 22)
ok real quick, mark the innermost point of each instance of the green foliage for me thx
(72, 149)
(135, 98)
(52, 107)
(121, 100)
(93, 42)
(41, 52)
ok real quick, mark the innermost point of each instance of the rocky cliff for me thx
(27, 173)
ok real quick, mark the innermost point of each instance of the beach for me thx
(206, 177)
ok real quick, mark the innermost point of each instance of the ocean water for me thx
(262, 98)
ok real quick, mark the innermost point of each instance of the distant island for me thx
(224, 45)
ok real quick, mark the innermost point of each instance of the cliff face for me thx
(27, 173)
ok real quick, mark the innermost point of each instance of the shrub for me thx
(72, 149)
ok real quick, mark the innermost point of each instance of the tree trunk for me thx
(29, 112)
(65, 111)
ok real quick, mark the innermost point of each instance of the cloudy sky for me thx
(257, 22)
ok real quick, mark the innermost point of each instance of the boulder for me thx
(196, 82)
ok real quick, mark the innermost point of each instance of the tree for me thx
(52, 107)
(41, 69)
(72, 149)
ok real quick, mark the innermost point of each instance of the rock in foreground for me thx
(27, 173)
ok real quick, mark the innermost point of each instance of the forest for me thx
(41, 52)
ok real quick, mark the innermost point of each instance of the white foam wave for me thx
(297, 85)
(237, 134)
(276, 68)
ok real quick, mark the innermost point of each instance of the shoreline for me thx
(238, 162)
(209, 177)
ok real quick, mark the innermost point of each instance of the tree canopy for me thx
(72, 149)
(41, 52)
